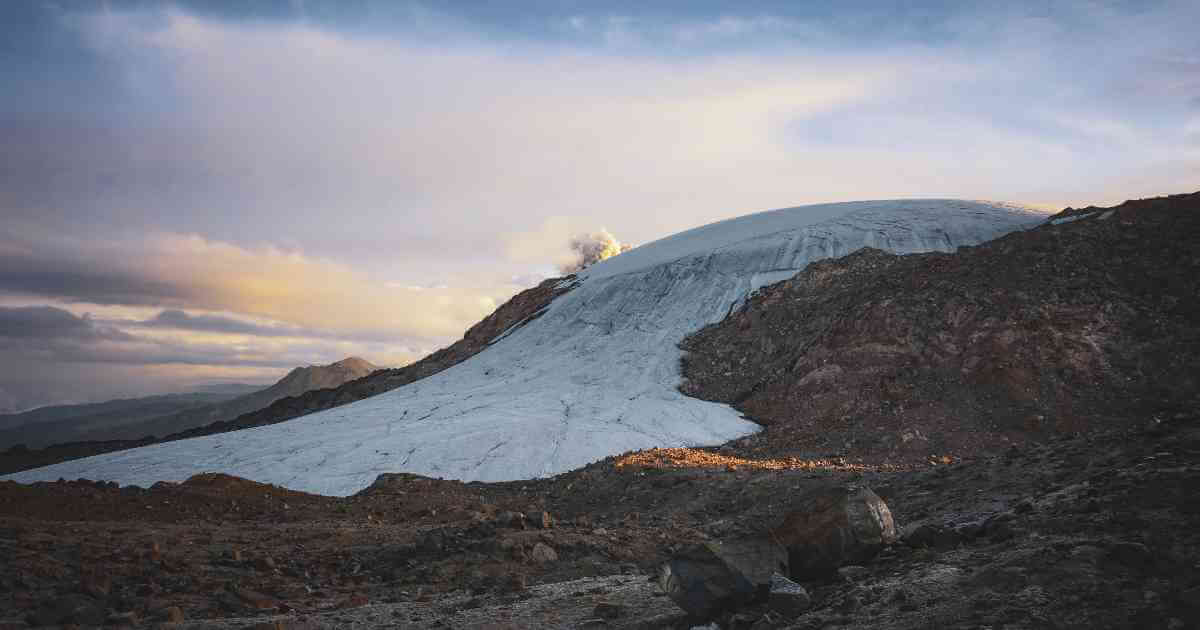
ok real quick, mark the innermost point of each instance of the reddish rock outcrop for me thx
(830, 527)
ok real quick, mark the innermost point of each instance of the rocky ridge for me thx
(1079, 324)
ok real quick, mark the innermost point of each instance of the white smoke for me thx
(590, 249)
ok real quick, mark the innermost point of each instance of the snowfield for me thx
(595, 376)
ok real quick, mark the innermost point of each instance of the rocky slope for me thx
(1079, 324)
(1083, 532)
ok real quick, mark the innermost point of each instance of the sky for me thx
(200, 192)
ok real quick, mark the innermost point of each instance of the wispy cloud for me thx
(49, 323)
(189, 271)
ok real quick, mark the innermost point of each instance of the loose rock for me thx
(174, 614)
(833, 526)
(787, 597)
(511, 519)
(709, 578)
(541, 519)
(543, 554)
(606, 610)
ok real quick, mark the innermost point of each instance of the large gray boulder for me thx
(708, 578)
(833, 526)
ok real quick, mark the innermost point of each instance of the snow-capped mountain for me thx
(595, 375)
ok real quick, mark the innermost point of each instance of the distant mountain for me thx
(297, 382)
(163, 415)
(61, 423)
(233, 389)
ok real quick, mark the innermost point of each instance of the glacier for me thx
(595, 375)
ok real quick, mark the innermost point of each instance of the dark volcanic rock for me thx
(788, 598)
(511, 519)
(1067, 327)
(707, 579)
(77, 609)
(606, 610)
(832, 526)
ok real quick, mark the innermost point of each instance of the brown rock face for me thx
(831, 527)
(1067, 327)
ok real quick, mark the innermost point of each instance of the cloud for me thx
(49, 323)
(180, 320)
(52, 333)
(188, 271)
(433, 148)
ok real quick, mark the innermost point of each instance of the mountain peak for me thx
(302, 379)
(355, 363)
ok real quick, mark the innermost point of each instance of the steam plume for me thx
(590, 249)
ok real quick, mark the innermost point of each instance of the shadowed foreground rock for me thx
(707, 579)
(825, 529)
(834, 526)
(787, 597)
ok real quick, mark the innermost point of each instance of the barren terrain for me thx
(1046, 383)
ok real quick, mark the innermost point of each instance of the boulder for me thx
(607, 610)
(787, 597)
(833, 526)
(707, 579)
(543, 554)
(173, 614)
(256, 600)
(97, 586)
(930, 535)
(126, 619)
(515, 520)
